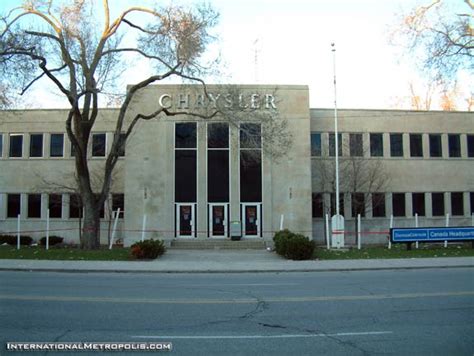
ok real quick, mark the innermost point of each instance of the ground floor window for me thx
(398, 204)
(13, 205)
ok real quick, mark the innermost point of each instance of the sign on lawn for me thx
(428, 234)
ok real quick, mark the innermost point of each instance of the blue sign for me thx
(427, 234)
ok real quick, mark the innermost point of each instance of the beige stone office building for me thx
(184, 177)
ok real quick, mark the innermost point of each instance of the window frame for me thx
(51, 144)
(404, 208)
(354, 149)
(8, 215)
(29, 210)
(433, 143)
(414, 151)
(315, 151)
(393, 153)
(454, 152)
(41, 154)
(97, 134)
(10, 145)
(374, 143)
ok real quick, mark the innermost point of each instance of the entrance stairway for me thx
(217, 244)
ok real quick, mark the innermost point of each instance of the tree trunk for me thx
(90, 239)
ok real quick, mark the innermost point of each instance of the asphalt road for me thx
(404, 312)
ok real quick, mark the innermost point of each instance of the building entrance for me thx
(185, 220)
(251, 222)
(218, 220)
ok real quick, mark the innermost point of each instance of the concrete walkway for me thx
(225, 261)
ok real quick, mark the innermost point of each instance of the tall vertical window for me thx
(418, 203)
(75, 206)
(13, 205)
(416, 145)
(317, 205)
(315, 144)
(437, 204)
(470, 146)
(250, 163)
(98, 145)
(396, 145)
(56, 147)
(332, 144)
(1, 145)
(376, 145)
(118, 201)
(218, 162)
(36, 145)
(185, 177)
(333, 204)
(454, 144)
(457, 203)
(34, 205)
(398, 204)
(378, 205)
(55, 205)
(355, 145)
(358, 204)
(16, 145)
(435, 145)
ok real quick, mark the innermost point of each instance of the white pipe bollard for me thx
(282, 218)
(18, 232)
(117, 215)
(143, 227)
(327, 231)
(47, 229)
(416, 225)
(391, 226)
(447, 225)
(359, 243)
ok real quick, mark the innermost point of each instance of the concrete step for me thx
(217, 244)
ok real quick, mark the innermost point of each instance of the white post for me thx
(447, 225)
(47, 229)
(18, 233)
(143, 227)
(416, 225)
(327, 230)
(359, 243)
(391, 226)
(282, 218)
(117, 215)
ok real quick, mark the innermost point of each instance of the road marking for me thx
(232, 301)
(281, 336)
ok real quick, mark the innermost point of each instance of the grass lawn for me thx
(64, 253)
(397, 251)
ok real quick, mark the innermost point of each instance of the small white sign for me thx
(337, 227)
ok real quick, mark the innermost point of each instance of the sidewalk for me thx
(224, 261)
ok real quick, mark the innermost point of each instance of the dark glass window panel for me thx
(13, 205)
(121, 144)
(250, 176)
(218, 176)
(376, 145)
(185, 176)
(358, 204)
(398, 204)
(250, 135)
(355, 145)
(333, 204)
(16, 146)
(418, 204)
(318, 205)
(457, 204)
(34, 205)
(470, 146)
(185, 135)
(436, 149)
(378, 205)
(118, 201)
(437, 204)
(471, 198)
(1, 145)
(315, 144)
(454, 144)
(75, 206)
(332, 144)
(416, 145)
(36, 145)
(55, 205)
(396, 145)
(98, 145)
(218, 135)
(57, 145)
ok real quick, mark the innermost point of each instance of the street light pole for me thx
(336, 138)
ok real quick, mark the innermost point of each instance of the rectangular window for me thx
(470, 146)
(98, 145)
(185, 135)
(118, 201)
(358, 204)
(471, 198)
(218, 175)
(315, 144)
(378, 205)
(34, 205)
(332, 144)
(333, 204)
(454, 144)
(55, 205)
(416, 145)
(437, 204)
(317, 205)
(56, 147)
(16, 145)
(418, 203)
(250, 176)
(1, 145)
(185, 176)
(218, 135)
(13, 205)
(396, 145)
(250, 135)
(355, 145)
(376, 145)
(36, 145)
(436, 149)
(457, 203)
(121, 144)
(398, 204)
(75, 206)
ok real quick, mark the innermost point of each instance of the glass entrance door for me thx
(251, 220)
(185, 220)
(218, 221)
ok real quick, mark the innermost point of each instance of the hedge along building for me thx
(192, 176)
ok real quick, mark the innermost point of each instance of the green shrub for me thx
(280, 239)
(299, 247)
(53, 240)
(147, 249)
(12, 240)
